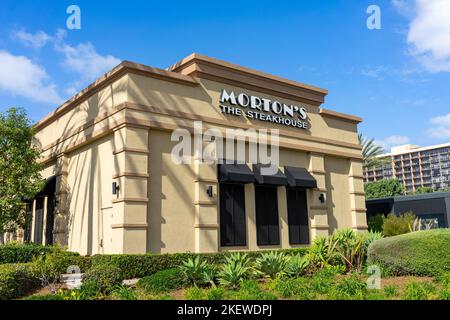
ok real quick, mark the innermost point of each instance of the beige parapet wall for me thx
(118, 130)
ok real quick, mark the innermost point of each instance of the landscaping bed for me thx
(333, 268)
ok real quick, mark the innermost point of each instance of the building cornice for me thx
(200, 66)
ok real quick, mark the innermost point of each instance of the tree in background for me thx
(371, 152)
(19, 170)
(383, 188)
(422, 190)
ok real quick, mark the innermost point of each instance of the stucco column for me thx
(206, 223)
(318, 215)
(61, 223)
(357, 199)
(131, 156)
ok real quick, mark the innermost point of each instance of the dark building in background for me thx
(432, 208)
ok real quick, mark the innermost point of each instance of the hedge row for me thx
(17, 280)
(22, 253)
(422, 253)
(141, 265)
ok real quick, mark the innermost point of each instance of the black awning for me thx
(299, 177)
(239, 173)
(277, 179)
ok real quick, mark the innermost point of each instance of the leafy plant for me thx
(104, 277)
(371, 152)
(233, 273)
(415, 291)
(271, 264)
(194, 270)
(322, 252)
(296, 266)
(250, 290)
(163, 281)
(124, 293)
(210, 276)
(215, 294)
(195, 293)
(394, 225)
(349, 288)
(390, 290)
(383, 188)
(298, 288)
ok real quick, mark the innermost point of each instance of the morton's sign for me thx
(263, 109)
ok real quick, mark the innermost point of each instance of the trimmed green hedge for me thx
(422, 253)
(22, 253)
(163, 281)
(17, 280)
(141, 265)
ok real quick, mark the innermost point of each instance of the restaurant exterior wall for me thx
(119, 130)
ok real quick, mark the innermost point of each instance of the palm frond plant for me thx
(371, 152)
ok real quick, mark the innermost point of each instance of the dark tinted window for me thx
(232, 215)
(268, 231)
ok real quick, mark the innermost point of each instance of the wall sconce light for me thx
(322, 198)
(209, 191)
(115, 188)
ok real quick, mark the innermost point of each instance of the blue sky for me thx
(396, 78)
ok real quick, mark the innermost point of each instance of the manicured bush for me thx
(394, 225)
(16, 280)
(141, 265)
(22, 253)
(106, 277)
(418, 253)
(163, 281)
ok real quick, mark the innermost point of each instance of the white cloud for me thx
(429, 33)
(35, 41)
(20, 76)
(441, 120)
(392, 141)
(84, 59)
(441, 127)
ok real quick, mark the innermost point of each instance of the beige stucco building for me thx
(118, 131)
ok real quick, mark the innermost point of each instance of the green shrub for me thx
(105, 277)
(296, 266)
(193, 270)
(422, 253)
(444, 294)
(250, 290)
(375, 223)
(22, 253)
(163, 281)
(394, 225)
(123, 293)
(17, 280)
(215, 294)
(233, 273)
(195, 293)
(349, 288)
(323, 281)
(390, 291)
(415, 291)
(298, 288)
(141, 265)
(271, 264)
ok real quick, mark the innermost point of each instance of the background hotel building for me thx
(415, 167)
(117, 132)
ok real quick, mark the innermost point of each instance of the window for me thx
(232, 215)
(267, 225)
(297, 216)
